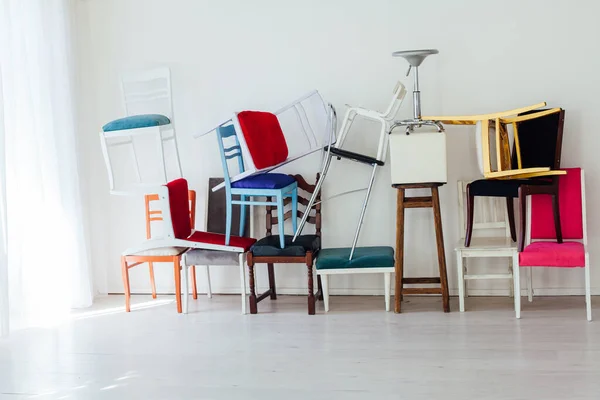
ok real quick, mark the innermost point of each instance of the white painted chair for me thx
(491, 239)
(337, 151)
(367, 260)
(213, 222)
(541, 249)
(148, 128)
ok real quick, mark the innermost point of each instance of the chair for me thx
(214, 223)
(536, 153)
(542, 250)
(367, 260)
(162, 254)
(303, 127)
(492, 218)
(336, 150)
(304, 250)
(270, 185)
(537, 144)
(149, 116)
(178, 232)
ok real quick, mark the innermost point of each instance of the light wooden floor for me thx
(356, 351)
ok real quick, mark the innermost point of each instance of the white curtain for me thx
(46, 259)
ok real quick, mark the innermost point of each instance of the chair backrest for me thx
(397, 99)
(139, 159)
(315, 219)
(175, 212)
(263, 140)
(153, 215)
(539, 141)
(490, 213)
(229, 148)
(147, 92)
(571, 201)
(216, 211)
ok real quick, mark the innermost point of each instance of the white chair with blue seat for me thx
(269, 185)
(149, 113)
(366, 260)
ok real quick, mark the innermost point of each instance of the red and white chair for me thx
(173, 204)
(308, 124)
(541, 248)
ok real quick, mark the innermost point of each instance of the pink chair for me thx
(541, 248)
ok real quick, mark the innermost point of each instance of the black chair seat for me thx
(341, 153)
(502, 188)
(269, 246)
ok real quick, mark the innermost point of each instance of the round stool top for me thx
(415, 57)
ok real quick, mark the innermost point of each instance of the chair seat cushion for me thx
(136, 121)
(219, 238)
(341, 153)
(552, 254)
(264, 181)
(269, 246)
(364, 257)
(264, 138)
(161, 251)
(502, 187)
(210, 257)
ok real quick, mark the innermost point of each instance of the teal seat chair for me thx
(365, 260)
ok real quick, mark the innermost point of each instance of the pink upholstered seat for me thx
(552, 254)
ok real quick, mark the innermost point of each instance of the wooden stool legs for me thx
(433, 202)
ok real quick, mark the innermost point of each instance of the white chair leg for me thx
(185, 271)
(325, 284)
(511, 286)
(588, 295)
(243, 282)
(465, 286)
(517, 283)
(208, 287)
(461, 281)
(530, 284)
(387, 279)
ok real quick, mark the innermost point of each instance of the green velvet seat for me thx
(364, 257)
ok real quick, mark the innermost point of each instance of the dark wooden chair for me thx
(303, 250)
(540, 143)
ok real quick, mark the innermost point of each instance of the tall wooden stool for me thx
(403, 203)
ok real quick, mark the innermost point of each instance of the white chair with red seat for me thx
(174, 206)
(541, 248)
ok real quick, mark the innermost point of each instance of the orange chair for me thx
(162, 254)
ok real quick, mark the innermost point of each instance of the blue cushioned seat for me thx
(364, 257)
(264, 181)
(136, 121)
(270, 246)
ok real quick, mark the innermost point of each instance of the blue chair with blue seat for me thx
(274, 186)
(365, 260)
(149, 113)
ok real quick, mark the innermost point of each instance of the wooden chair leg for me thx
(510, 209)
(522, 219)
(125, 273)
(271, 271)
(177, 274)
(152, 281)
(194, 285)
(439, 236)
(325, 291)
(470, 212)
(311, 290)
(252, 297)
(556, 211)
(399, 262)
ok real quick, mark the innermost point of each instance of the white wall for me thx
(227, 55)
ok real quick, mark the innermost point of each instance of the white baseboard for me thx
(379, 292)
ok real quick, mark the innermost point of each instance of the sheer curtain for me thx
(46, 260)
